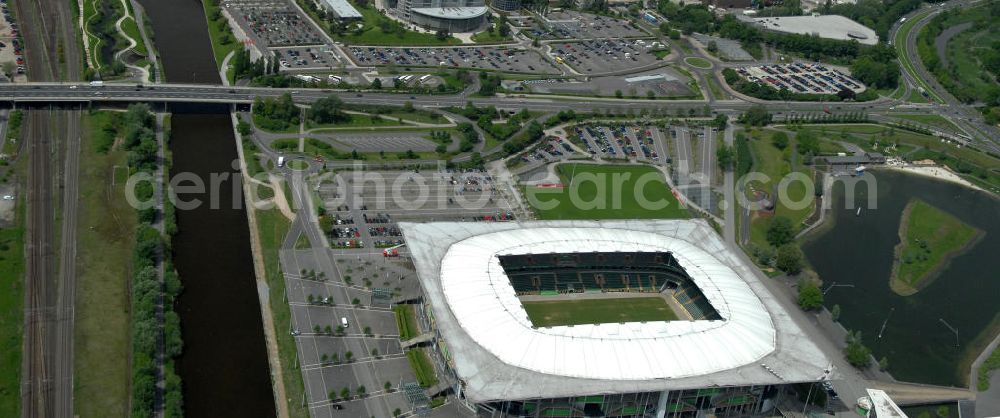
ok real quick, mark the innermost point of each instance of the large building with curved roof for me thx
(450, 15)
(730, 349)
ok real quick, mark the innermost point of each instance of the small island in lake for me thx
(929, 238)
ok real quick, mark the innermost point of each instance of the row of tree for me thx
(151, 248)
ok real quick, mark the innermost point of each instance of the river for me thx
(918, 338)
(224, 365)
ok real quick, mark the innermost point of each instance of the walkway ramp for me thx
(415, 341)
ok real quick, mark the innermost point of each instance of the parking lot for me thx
(10, 44)
(552, 149)
(493, 58)
(447, 195)
(351, 359)
(801, 78)
(577, 25)
(273, 23)
(636, 143)
(608, 55)
(393, 141)
(307, 57)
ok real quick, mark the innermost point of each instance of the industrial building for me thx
(450, 15)
(342, 9)
(732, 352)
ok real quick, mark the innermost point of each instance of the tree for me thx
(442, 34)
(377, 84)
(789, 259)
(780, 231)
(725, 156)
(328, 110)
(756, 115)
(349, 356)
(712, 47)
(810, 297)
(857, 354)
(779, 140)
(396, 412)
(361, 391)
(942, 411)
(835, 312)
(883, 364)
(387, 386)
(650, 94)
(345, 393)
(619, 94)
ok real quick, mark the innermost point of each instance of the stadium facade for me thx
(733, 353)
(450, 15)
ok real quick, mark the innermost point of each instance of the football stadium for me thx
(651, 318)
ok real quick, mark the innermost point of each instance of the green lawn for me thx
(490, 37)
(11, 313)
(776, 164)
(698, 62)
(422, 367)
(132, 30)
(598, 311)
(106, 237)
(713, 86)
(930, 237)
(927, 119)
(406, 321)
(271, 228)
(606, 192)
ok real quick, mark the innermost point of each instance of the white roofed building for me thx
(728, 354)
(342, 9)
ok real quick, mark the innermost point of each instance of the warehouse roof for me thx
(343, 9)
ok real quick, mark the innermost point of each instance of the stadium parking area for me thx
(607, 55)
(636, 143)
(307, 57)
(501, 58)
(273, 23)
(577, 25)
(801, 78)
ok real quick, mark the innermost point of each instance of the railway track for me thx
(51, 54)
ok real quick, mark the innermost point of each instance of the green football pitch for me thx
(598, 311)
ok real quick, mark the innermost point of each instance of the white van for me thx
(343, 322)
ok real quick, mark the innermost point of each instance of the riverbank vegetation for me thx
(276, 114)
(223, 40)
(929, 239)
(989, 365)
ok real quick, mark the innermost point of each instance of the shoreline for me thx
(936, 172)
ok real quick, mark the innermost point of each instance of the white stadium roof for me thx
(496, 350)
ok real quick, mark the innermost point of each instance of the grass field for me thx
(777, 164)
(11, 313)
(106, 234)
(606, 192)
(271, 229)
(598, 311)
(698, 62)
(927, 119)
(929, 238)
(406, 321)
(422, 367)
